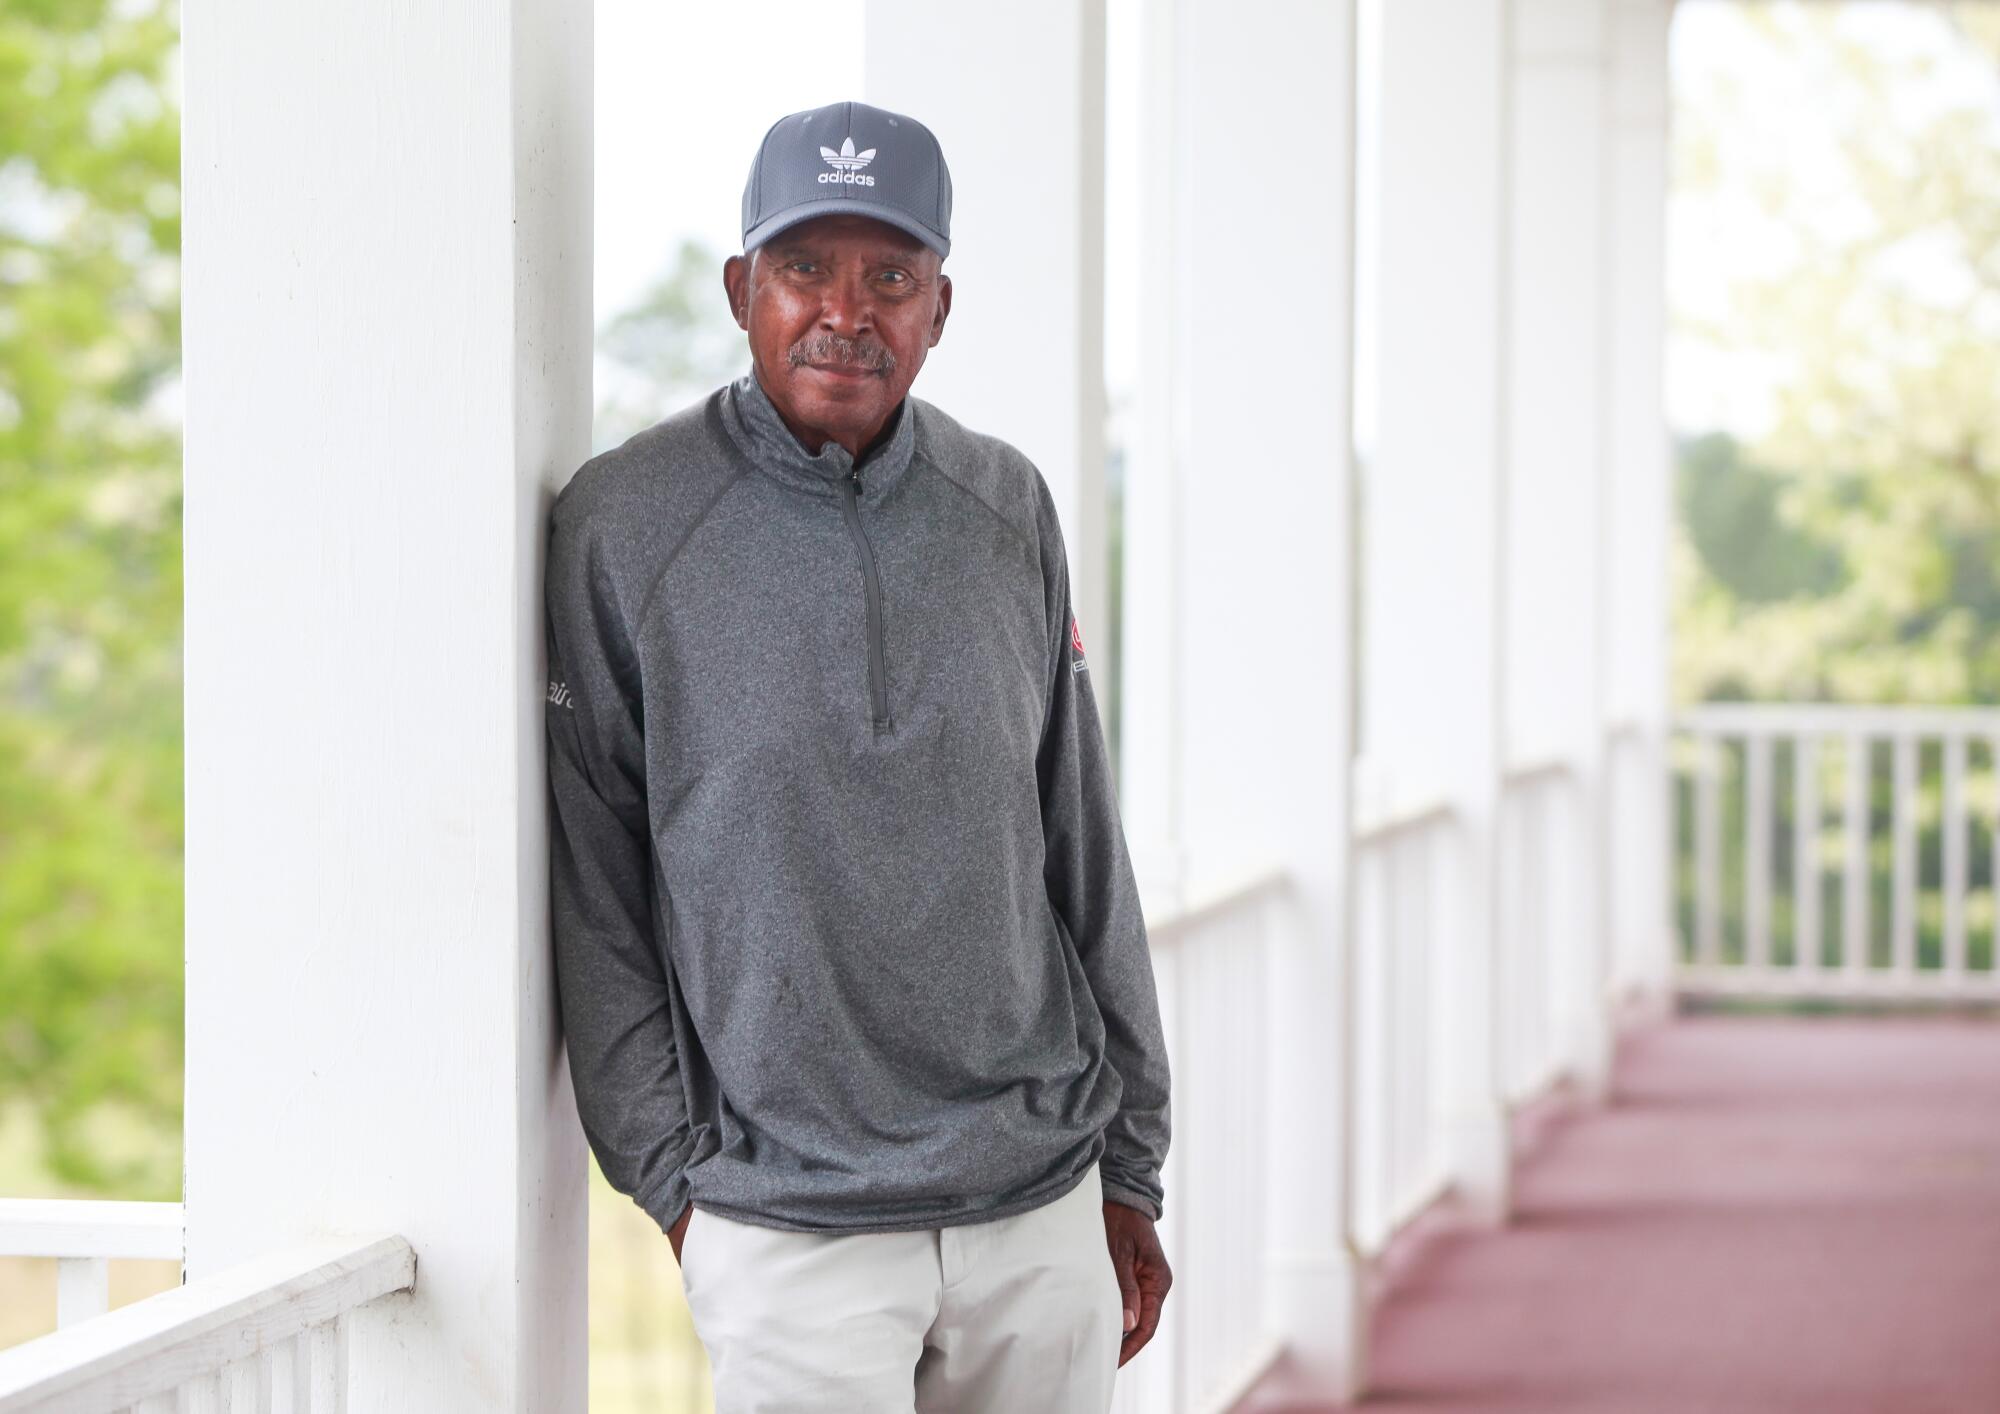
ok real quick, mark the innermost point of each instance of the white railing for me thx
(268, 1336)
(1549, 978)
(1406, 870)
(1211, 961)
(1783, 907)
(85, 1236)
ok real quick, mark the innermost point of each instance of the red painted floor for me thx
(1798, 1214)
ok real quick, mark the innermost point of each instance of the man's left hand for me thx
(1143, 1275)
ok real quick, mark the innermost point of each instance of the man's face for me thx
(840, 311)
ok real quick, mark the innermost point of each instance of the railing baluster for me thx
(328, 1340)
(1954, 857)
(1535, 942)
(1805, 853)
(1854, 878)
(202, 1394)
(1373, 929)
(241, 1391)
(1417, 1028)
(1390, 979)
(1757, 851)
(1903, 937)
(286, 1372)
(1708, 851)
(83, 1289)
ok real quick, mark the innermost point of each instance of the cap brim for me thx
(843, 205)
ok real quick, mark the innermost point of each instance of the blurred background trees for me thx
(90, 594)
(1847, 547)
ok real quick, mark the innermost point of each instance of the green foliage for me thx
(1849, 554)
(90, 588)
(1731, 514)
(676, 344)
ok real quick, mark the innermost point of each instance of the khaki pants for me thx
(1022, 1313)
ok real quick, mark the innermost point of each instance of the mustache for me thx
(823, 347)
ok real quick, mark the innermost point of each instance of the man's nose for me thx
(847, 308)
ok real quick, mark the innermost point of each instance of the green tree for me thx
(90, 588)
(1850, 553)
(674, 345)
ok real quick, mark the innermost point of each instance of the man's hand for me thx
(678, 1232)
(1142, 1270)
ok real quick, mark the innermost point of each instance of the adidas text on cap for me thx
(849, 157)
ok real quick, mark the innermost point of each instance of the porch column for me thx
(1434, 502)
(388, 252)
(1555, 455)
(1641, 513)
(1260, 171)
(1015, 94)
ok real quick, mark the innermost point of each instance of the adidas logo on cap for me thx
(847, 165)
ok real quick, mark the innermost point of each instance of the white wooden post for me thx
(1263, 665)
(1639, 513)
(1558, 346)
(1209, 788)
(1432, 678)
(388, 241)
(1015, 95)
(1153, 611)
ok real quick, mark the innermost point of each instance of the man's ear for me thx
(943, 309)
(736, 281)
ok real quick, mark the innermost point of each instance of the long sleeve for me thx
(611, 981)
(1088, 871)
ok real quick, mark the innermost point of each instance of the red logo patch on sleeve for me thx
(1076, 663)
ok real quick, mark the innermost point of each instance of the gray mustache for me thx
(822, 347)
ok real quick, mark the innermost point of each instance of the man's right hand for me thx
(678, 1232)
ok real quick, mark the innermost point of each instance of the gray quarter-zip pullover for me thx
(847, 937)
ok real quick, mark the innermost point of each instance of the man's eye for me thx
(896, 277)
(804, 266)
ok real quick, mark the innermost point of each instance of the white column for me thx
(1434, 504)
(1262, 167)
(1640, 514)
(1015, 95)
(387, 302)
(1154, 611)
(1557, 348)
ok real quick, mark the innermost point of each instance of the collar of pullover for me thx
(752, 421)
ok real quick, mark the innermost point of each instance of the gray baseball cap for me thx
(849, 157)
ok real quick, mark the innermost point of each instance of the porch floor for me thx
(1798, 1213)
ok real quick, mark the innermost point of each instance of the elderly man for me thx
(858, 995)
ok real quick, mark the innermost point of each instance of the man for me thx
(858, 995)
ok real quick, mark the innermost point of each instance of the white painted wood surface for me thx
(1251, 645)
(1212, 959)
(1433, 674)
(387, 343)
(1408, 880)
(1638, 514)
(173, 1350)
